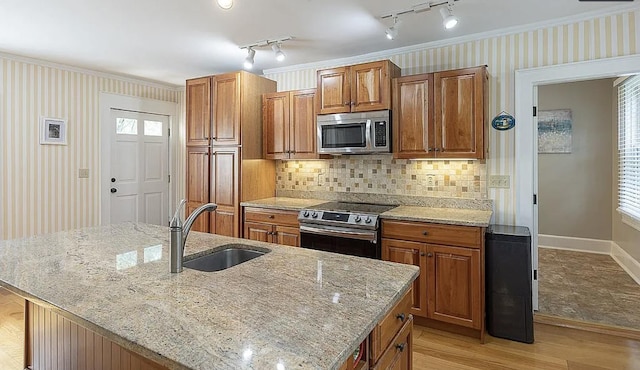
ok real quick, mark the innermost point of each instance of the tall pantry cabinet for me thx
(224, 162)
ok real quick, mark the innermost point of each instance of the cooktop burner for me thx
(370, 208)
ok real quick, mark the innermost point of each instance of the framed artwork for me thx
(53, 131)
(554, 131)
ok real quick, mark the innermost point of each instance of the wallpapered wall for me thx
(41, 191)
(601, 37)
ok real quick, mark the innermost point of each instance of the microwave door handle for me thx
(367, 133)
(360, 235)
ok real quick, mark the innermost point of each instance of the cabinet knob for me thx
(401, 346)
(113, 190)
(436, 149)
(429, 254)
(400, 317)
(347, 103)
(293, 151)
(271, 216)
(213, 138)
(353, 103)
(429, 149)
(423, 254)
(425, 233)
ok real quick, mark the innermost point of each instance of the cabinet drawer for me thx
(390, 325)
(271, 216)
(464, 236)
(399, 353)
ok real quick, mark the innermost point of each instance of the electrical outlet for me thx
(500, 181)
(431, 180)
(83, 173)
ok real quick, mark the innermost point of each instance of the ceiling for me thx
(172, 40)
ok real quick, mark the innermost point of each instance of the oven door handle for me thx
(360, 235)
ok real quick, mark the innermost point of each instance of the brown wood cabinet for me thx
(399, 354)
(357, 88)
(441, 114)
(451, 261)
(289, 124)
(224, 148)
(272, 226)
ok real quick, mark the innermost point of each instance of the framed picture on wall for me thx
(53, 131)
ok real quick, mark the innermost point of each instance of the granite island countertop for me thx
(301, 308)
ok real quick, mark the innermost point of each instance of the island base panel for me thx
(57, 343)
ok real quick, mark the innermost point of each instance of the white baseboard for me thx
(628, 263)
(574, 244)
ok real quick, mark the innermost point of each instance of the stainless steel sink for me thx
(223, 259)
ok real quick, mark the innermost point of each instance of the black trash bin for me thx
(508, 283)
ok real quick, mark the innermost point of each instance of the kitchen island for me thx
(290, 308)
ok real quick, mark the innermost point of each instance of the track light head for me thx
(248, 61)
(278, 52)
(225, 4)
(392, 32)
(448, 19)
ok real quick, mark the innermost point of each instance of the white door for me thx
(139, 167)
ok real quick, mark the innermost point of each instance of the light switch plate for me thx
(83, 173)
(500, 181)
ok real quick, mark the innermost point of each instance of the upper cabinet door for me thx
(459, 113)
(226, 115)
(275, 118)
(302, 132)
(370, 86)
(198, 111)
(413, 134)
(334, 91)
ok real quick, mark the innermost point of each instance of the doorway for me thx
(139, 159)
(139, 167)
(526, 92)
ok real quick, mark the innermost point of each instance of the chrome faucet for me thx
(180, 231)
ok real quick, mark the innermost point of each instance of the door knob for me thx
(113, 190)
(429, 254)
(113, 179)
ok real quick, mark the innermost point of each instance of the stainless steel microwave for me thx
(354, 133)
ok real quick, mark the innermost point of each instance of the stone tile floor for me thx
(588, 287)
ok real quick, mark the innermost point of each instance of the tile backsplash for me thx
(381, 174)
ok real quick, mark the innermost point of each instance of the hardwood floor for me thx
(554, 347)
(11, 330)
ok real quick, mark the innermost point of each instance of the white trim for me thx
(574, 244)
(526, 82)
(2, 124)
(144, 105)
(629, 219)
(628, 263)
(385, 54)
(91, 72)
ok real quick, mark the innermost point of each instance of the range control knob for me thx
(314, 215)
(357, 219)
(368, 220)
(305, 214)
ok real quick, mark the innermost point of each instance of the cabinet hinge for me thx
(535, 198)
(535, 111)
(169, 178)
(169, 131)
(535, 274)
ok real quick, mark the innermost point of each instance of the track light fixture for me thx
(249, 60)
(392, 32)
(449, 20)
(275, 44)
(278, 52)
(225, 4)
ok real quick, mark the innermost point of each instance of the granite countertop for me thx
(300, 308)
(283, 203)
(451, 216)
(447, 211)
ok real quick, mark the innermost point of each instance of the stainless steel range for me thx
(341, 227)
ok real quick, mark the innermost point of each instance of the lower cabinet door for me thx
(224, 222)
(287, 235)
(257, 231)
(399, 354)
(410, 253)
(455, 285)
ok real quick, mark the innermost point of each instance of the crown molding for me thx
(384, 54)
(111, 75)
